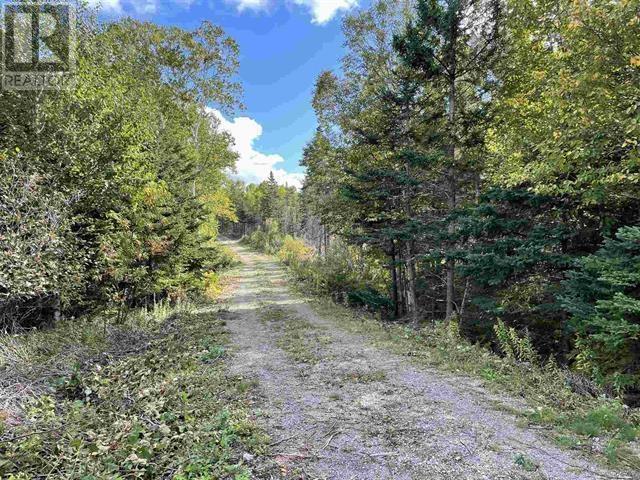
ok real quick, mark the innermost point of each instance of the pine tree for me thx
(269, 201)
(449, 43)
(603, 297)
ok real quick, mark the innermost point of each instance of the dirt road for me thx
(337, 407)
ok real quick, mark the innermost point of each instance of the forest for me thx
(479, 165)
(471, 194)
(111, 192)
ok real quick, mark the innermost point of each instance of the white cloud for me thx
(323, 11)
(253, 166)
(139, 7)
(145, 7)
(243, 5)
(111, 6)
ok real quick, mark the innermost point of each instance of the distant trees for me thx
(110, 192)
(257, 205)
(488, 151)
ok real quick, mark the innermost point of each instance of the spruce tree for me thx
(449, 43)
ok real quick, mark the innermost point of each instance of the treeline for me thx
(267, 213)
(486, 156)
(111, 191)
(255, 204)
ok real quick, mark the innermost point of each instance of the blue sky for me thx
(284, 45)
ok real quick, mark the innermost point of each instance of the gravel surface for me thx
(353, 411)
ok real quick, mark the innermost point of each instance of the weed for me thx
(568, 441)
(490, 375)
(167, 410)
(299, 339)
(211, 353)
(525, 463)
(365, 377)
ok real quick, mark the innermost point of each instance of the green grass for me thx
(525, 463)
(168, 410)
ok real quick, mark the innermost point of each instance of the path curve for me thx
(339, 408)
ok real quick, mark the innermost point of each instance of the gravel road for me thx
(337, 407)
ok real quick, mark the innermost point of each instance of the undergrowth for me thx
(30, 355)
(166, 410)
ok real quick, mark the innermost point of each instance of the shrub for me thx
(294, 251)
(267, 239)
(348, 274)
(155, 411)
(42, 263)
(603, 296)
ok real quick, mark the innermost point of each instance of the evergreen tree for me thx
(449, 43)
(602, 295)
(269, 202)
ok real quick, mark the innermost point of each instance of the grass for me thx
(525, 463)
(166, 410)
(57, 350)
(299, 339)
(365, 377)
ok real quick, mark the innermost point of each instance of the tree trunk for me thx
(57, 309)
(412, 304)
(394, 280)
(451, 171)
(402, 298)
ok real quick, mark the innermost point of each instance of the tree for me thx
(453, 45)
(269, 202)
(602, 297)
(132, 166)
(566, 114)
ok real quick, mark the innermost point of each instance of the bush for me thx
(267, 239)
(603, 296)
(347, 274)
(42, 263)
(294, 252)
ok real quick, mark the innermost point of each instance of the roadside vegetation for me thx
(151, 399)
(111, 197)
(111, 192)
